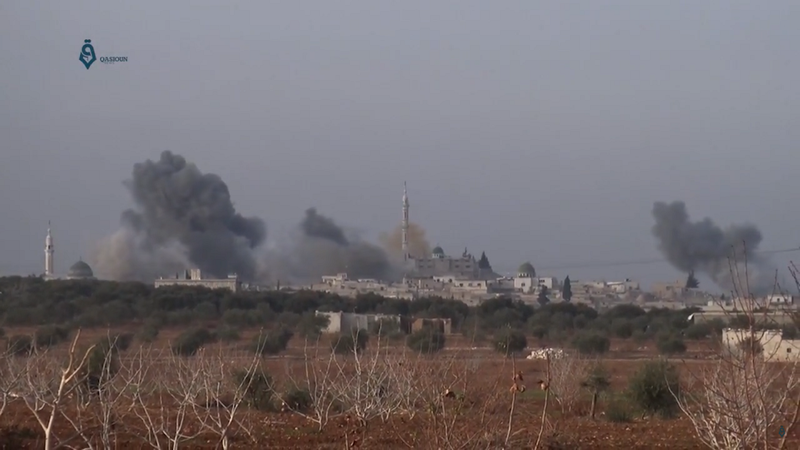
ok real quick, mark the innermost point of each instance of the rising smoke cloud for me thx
(321, 247)
(706, 248)
(182, 217)
(418, 244)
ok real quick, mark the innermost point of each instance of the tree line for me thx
(72, 304)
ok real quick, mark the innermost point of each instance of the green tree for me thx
(510, 341)
(347, 343)
(566, 290)
(654, 386)
(258, 390)
(483, 263)
(691, 281)
(697, 331)
(596, 382)
(542, 297)
(426, 340)
(192, 340)
(273, 342)
(311, 325)
(670, 345)
(591, 343)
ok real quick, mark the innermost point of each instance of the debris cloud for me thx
(418, 244)
(181, 216)
(706, 248)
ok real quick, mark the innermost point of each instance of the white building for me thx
(342, 321)
(526, 280)
(194, 277)
(772, 345)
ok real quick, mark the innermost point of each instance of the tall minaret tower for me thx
(405, 221)
(48, 253)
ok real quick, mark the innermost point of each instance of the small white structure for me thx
(342, 321)
(772, 345)
(544, 353)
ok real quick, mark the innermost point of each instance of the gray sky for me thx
(533, 130)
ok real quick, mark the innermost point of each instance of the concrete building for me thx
(526, 281)
(342, 321)
(340, 284)
(773, 318)
(445, 326)
(773, 347)
(194, 277)
(673, 289)
(440, 264)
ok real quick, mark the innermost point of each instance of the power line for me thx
(645, 261)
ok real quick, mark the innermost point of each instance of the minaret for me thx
(405, 221)
(48, 253)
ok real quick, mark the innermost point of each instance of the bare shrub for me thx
(739, 399)
(48, 383)
(223, 391)
(11, 375)
(566, 375)
(164, 390)
(315, 381)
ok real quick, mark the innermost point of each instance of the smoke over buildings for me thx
(704, 247)
(417, 242)
(181, 217)
(184, 218)
(321, 247)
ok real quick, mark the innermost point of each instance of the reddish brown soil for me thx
(480, 420)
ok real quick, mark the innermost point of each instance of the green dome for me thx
(438, 250)
(80, 270)
(527, 269)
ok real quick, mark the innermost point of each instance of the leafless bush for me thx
(736, 403)
(47, 384)
(162, 398)
(316, 381)
(100, 396)
(740, 399)
(361, 383)
(566, 375)
(223, 395)
(454, 412)
(11, 375)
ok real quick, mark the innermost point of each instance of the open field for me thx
(152, 387)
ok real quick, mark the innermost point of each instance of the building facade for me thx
(343, 321)
(194, 277)
(771, 345)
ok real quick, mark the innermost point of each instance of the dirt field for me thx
(478, 417)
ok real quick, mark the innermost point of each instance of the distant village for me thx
(473, 281)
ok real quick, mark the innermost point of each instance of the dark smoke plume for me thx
(704, 247)
(321, 247)
(318, 226)
(182, 217)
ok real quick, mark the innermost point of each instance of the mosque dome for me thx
(437, 251)
(527, 269)
(80, 270)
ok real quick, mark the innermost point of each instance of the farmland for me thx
(383, 397)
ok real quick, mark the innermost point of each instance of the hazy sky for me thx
(533, 130)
